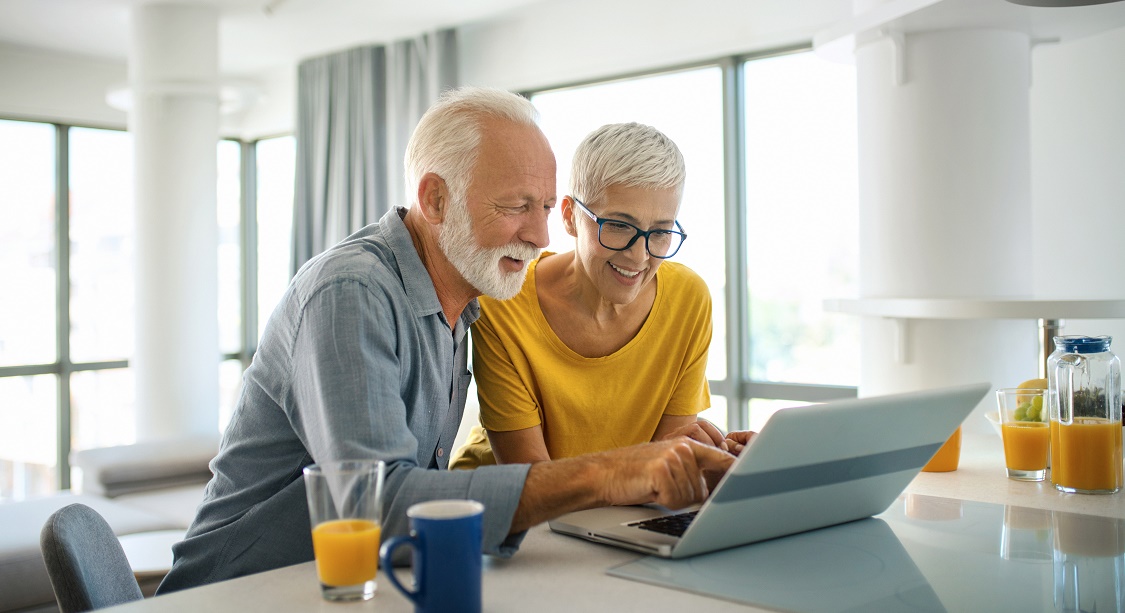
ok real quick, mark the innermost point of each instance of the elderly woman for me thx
(606, 345)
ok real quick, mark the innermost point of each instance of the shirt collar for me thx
(415, 278)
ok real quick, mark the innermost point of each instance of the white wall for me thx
(51, 86)
(557, 43)
(275, 108)
(1078, 174)
(56, 86)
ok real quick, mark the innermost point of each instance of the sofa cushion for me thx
(115, 471)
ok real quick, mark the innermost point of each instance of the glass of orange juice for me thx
(345, 513)
(1027, 435)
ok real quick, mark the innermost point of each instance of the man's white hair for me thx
(625, 154)
(447, 139)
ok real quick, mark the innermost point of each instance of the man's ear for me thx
(567, 211)
(433, 197)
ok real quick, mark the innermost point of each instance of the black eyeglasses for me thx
(620, 235)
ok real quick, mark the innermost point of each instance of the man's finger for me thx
(683, 473)
(711, 458)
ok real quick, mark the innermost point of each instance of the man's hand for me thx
(673, 473)
(670, 472)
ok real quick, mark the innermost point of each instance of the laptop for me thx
(809, 467)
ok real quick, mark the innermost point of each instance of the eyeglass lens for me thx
(619, 236)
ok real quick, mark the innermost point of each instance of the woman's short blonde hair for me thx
(626, 154)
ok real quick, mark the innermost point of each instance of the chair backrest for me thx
(87, 566)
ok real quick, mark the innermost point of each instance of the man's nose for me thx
(535, 230)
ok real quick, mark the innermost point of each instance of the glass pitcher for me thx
(1084, 377)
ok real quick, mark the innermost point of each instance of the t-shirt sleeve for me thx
(692, 393)
(506, 404)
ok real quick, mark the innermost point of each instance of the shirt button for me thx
(440, 452)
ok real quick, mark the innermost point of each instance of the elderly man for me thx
(365, 357)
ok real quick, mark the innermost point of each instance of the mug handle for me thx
(386, 552)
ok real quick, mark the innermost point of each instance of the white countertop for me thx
(980, 477)
(552, 572)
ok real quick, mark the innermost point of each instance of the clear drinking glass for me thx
(345, 512)
(1024, 427)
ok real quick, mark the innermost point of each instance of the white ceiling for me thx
(254, 35)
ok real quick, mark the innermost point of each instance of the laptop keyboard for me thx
(668, 524)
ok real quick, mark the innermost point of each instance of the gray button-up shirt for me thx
(357, 361)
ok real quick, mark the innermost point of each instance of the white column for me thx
(173, 70)
(945, 205)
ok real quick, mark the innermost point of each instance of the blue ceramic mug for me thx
(446, 537)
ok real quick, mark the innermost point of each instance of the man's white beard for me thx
(480, 266)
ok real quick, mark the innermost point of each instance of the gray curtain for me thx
(355, 112)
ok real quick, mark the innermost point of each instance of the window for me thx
(276, 167)
(229, 201)
(28, 335)
(100, 173)
(78, 394)
(28, 435)
(27, 243)
(231, 276)
(802, 215)
(101, 244)
(795, 150)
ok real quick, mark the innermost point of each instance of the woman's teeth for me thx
(625, 273)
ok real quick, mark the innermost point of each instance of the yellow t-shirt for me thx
(526, 376)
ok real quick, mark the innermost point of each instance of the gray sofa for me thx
(143, 490)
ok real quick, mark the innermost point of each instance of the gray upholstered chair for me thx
(87, 566)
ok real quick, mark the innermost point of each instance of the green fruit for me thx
(1035, 413)
(1020, 414)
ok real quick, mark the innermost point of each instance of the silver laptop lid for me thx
(819, 465)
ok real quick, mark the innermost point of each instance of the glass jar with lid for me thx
(1084, 378)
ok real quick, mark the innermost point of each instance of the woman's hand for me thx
(699, 430)
(735, 442)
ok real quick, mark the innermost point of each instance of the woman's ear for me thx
(567, 211)
(433, 197)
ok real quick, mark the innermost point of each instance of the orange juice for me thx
(1057, 471)
(1088, 456)
(347, 551)
(1025, 444)
(948, 456)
